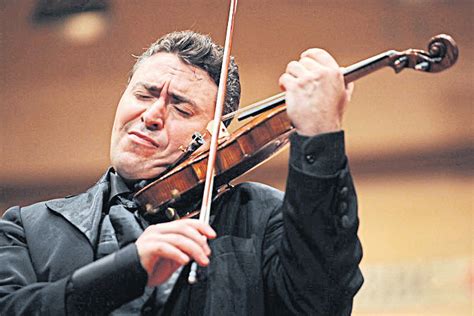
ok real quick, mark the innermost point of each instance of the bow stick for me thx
(209, 182)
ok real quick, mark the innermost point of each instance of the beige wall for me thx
(409, 136)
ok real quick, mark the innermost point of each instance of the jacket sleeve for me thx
(20, 291)
(311, 250)
(96, 288)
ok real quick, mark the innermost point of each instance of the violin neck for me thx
(368, 66)
(351, 73)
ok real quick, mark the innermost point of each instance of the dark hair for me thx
(198, 50)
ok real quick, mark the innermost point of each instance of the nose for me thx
(154, 116)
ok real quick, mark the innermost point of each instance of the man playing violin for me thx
(264, 252)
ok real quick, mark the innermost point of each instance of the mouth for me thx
(142, 139)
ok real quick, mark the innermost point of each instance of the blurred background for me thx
(64, 65)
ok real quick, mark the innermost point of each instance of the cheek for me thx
(127, 110)
(180, 133)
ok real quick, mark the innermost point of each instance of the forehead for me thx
(167, 67)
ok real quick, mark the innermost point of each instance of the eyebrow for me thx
(153, 89)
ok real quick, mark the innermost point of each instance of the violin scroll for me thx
(442, 53)
(444, 47)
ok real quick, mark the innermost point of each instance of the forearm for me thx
(96, 288)
(317, 260)
(106, 284)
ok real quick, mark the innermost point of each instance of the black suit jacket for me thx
(275, 254)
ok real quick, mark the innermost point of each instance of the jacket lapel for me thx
(84, 211)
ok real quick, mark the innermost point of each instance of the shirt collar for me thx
(117, 185)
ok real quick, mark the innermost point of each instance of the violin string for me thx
(277, 97)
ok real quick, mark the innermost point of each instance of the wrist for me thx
(318, 128)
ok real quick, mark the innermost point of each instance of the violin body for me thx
(248, 147)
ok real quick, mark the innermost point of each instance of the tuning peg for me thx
(400, 63)
(423, 66)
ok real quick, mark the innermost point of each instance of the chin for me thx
(137, 166)
(133, 172)
(135, 169)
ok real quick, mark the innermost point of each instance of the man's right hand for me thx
(163, 248)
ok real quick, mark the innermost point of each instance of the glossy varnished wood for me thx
(249, 146)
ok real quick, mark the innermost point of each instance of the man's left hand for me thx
(316, 95)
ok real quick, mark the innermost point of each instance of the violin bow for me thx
(209, 182)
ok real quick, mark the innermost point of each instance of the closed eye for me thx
(145, 97)
(182, 112)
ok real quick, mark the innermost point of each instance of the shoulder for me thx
(102, 182)
(41, 209)
(11, 222)
(15, 214)
(42, 215)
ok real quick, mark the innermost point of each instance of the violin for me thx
(178, 191)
